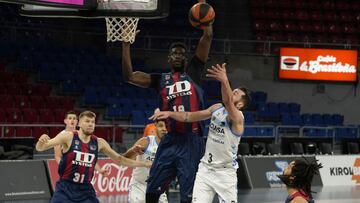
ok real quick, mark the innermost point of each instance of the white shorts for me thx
(221, 181)
(137, 193)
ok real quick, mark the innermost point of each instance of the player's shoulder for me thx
(215, 107)
(299, 200)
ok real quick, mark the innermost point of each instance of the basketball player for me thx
(217, 169)
(70, 122)
(297, 177)
(76, 168)
(144, 149)
(181, 149)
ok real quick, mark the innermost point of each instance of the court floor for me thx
(339, 194)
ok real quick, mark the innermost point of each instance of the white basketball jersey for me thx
(141, 174)
(222, 143)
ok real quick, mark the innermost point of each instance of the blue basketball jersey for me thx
(179, 92)
(78, 163)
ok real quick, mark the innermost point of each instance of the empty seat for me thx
(244, 149)
(325, 148)
(311, 148)
(258, 148)
(46, 116)
(273, 149)
(13, 115)
(23, 131)
(30, 115)
(297, 148)
(6, 101)
(353, 147)
(38, 131)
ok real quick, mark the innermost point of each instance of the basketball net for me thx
(121, 29)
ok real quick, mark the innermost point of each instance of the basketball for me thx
(201, 15)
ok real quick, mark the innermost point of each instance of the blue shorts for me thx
(177, 156)
(68, 192)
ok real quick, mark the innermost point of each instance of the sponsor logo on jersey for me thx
(179, 89)
(83, 159)
(217, 129)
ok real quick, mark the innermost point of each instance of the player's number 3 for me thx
(79, 178)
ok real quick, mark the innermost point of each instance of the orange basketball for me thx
(201, 15)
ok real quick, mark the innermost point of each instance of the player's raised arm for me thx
(117, 158)
(235, 115)
(45, 143)
(186, 116)
(137, 78)
(203, 48)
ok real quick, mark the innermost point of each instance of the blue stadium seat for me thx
(250, 132)
(317, 120)
(286, 119)
(249, 118)
(284, 108)
(294, 108)
(327, 119)
(307, 119)
(265, 131)
(138, 118)
(337, 119)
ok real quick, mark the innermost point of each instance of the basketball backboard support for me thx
(104, 8)
(78, 4)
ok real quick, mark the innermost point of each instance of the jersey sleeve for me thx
(155, 81)
(195, 68)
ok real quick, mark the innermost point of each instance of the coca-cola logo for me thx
(117, 182)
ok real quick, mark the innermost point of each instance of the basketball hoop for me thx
(121, 29)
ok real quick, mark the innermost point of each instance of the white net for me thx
(121, 29)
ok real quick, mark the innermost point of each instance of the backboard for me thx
(102, 9)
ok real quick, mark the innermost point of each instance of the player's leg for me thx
(163, 170)
(59, 195)
(189, 152)
(203, 191)
(137, 192)
(226, 186)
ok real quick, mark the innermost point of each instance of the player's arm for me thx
(235, 116)
(57, 153)
(203, 48)
(137, 149)
(137, 78)
(186, 116)
(45, 143)
(105, 148)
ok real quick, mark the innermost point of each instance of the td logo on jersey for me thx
(181, 88)
(83, 159)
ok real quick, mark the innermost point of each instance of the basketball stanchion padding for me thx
(121, 29)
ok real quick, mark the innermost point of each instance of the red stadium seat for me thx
(30, 115)
(6, 101)
(342, 5)
(302, 15)
(258, 13)
(59, 115)
(260, 25)
(346, 17)
(20, 77)
(13, 115)
(55, 130)
(38, 131)
(23, 131)
(334, 28)
(13, 89)
(42, 90)
(5, 77)
(67, 103)
(351, 39)
(331, 16)
(291, 37)
(329, 5)
(21, 101)
(290, 26)
(336, 39)
(275, 26)
(318, 27)
(104, 132)
(37, 102)
(320, 38)
(288, 15)
(2, 116)
(305, 27)
(119, 134)
(9, 132)
(46, 116)
(273, 14)
(285, 3)
(27, 89)
(349, 29)
(2, 88)
(315, 15)
(52, 102)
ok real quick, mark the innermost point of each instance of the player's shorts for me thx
(209, 181)
(137, 193)
(177, 156)
(68, 192)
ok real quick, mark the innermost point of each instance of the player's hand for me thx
(44, 138)
(104, 172)
(160, 115)
(217, 72)
(148, 164)
(138, 149)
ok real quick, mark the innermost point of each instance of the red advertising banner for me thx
(318, 64)
(117, 183)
